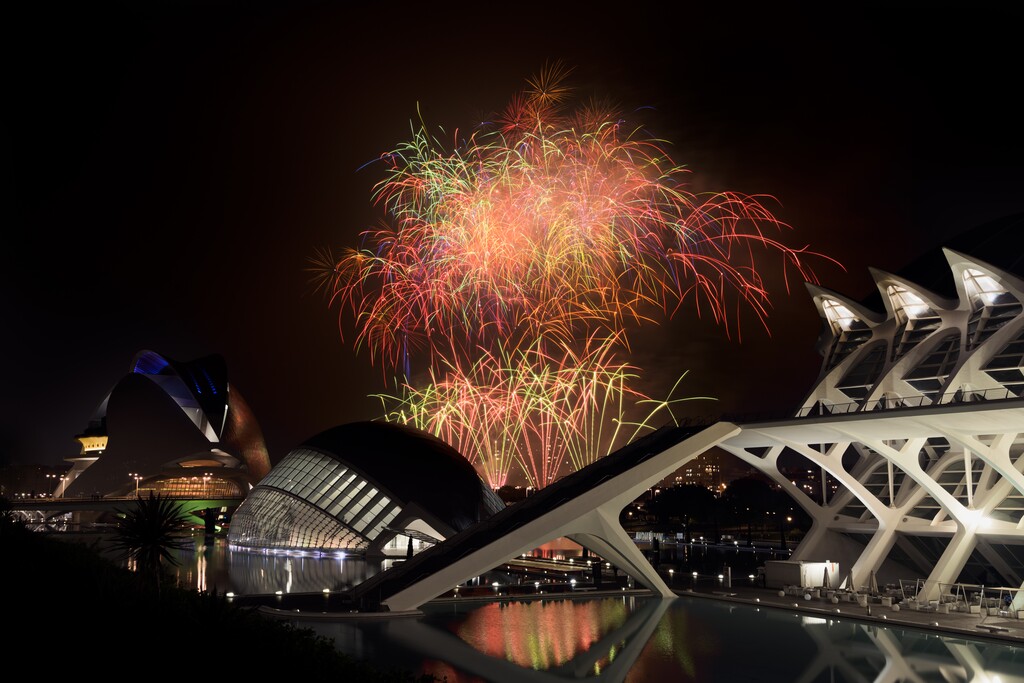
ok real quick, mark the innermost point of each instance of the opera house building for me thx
(172, 428)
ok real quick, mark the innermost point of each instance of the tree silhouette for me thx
(9, 522)
(688, 505)
(149, 531)
(749, 500)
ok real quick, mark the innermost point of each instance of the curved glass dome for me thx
(357, 486)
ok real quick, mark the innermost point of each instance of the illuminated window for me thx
(992, 306)
(915, 320)
(849, 332)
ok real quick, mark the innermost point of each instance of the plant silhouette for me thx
(148, 532)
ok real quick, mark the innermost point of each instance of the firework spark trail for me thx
(544, 228)
(550, 235)
(539, 410)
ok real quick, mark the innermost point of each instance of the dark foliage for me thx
(70, 607)
(147, 533)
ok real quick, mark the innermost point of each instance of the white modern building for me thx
(918, 416)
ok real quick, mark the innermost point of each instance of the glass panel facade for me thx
(992, 306)
(849, 332)
(930, 374)
(916, 320)
(344, 509)
(1006, 366)
(858, 381)
(276, 520)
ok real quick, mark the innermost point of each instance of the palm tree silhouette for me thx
(149, 531)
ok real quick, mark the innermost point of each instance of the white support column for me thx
(604, 525)
(952, 562)
(824, 487)
(816, 543)
(969, 478)
(892, 487)
(875, 552)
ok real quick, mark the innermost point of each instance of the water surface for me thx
(619, 638)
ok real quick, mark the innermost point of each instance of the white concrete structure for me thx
(590, 518)
(917, 427)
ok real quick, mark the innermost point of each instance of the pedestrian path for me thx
(1003, 628)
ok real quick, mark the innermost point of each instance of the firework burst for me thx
(547, 230)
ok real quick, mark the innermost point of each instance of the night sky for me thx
(173, 167)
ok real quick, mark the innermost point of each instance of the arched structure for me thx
(916, 426)
(364, 487)
(174, 428)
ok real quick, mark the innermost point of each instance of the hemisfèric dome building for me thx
(368, 488)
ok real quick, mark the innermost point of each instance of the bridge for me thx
(583, 506)
(47, 510)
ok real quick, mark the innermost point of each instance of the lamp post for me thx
(136, 477)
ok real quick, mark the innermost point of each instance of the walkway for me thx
(974, 626)
(962, 625)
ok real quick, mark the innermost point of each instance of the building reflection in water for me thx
(208, 566)
(542, 634)
(687, 639)
(619, 638)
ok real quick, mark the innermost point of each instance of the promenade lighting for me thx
(136, 476)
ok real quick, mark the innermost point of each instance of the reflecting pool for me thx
(645, 639)
(620, 638)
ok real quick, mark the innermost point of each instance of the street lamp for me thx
(136, 477)
(671, 576)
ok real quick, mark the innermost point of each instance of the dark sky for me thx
(173, 166)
